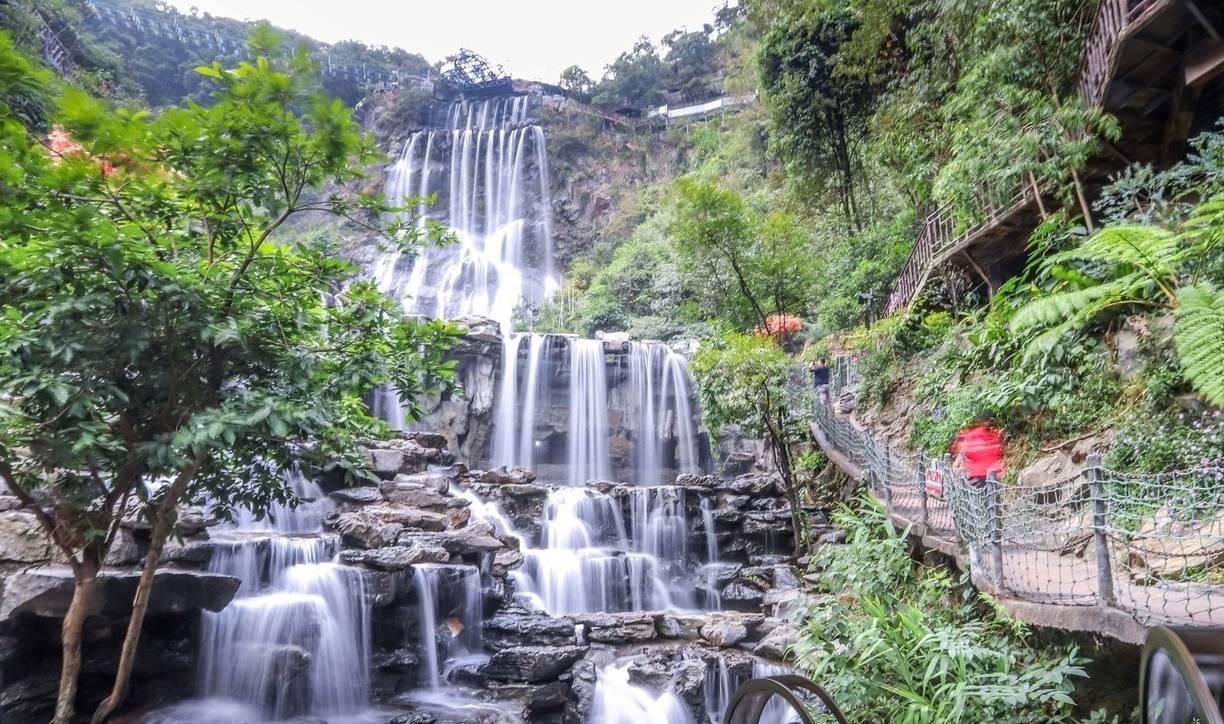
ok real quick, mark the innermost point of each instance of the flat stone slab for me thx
(532, 664)
(47, 592)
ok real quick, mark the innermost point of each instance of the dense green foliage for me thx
(640, 77)
(157, 326)
(157, 68)
(744, 380)
(897, 641)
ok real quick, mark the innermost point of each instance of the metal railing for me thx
(1179, 677)
(787, 697)
(1149, 545)
(942, 235)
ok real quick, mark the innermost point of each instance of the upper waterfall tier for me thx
(488, 167)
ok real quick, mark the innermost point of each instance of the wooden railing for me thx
(941, 234)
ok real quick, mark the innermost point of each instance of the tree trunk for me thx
(85, 585)
(166, 518)
(1083, 201)
(1045, 215)
(781, 452)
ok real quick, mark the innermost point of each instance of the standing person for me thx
(979, 450)
(820, 379)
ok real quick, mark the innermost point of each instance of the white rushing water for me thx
(589, 560)
(457, 636)
(488, 167)
(571, 409)
(619, 702)
(653, 402)
(296, 640)
(589, 458)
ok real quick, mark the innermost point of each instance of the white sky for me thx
(533, 39)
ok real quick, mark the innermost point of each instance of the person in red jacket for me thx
(978, 449)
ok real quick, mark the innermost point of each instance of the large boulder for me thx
(397, 557)
(515, 626)
(480, 329)
(681, 625)
(414, 495)
(23, 541)
(724, 633)
(532, 664)
(361, 495)
(362, 529)
(776, 642)
(410, 518)
(386, 461)
(536, 698)
(501, 475)
(47, 592)
(617, 628)
(464, 541)
(505, 560)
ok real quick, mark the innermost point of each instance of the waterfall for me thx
(489, 167)
(644, 360)
(680, 382)
(454, 589)
(588, 560)
(296, 640)
(718, 689)
(619, 702)
(588, 413)
(506, 431)
(713, 600)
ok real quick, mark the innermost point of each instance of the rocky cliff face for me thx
(467, 419)
(596, 167)
(36, 588)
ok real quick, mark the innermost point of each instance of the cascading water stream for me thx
(436, 585)
(713, 600)
(574, 410)
(489, 167)
(619, 702)
(589, 458)
(296, 640)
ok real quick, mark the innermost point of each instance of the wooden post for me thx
(922, 493)
(888, 501)
(1105, 588)
(996, 528)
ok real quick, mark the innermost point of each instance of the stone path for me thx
(1044, 585)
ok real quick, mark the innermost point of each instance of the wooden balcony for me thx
(1148, 62)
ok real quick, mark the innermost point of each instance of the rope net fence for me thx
(1149, 545)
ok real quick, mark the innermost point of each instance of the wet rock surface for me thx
(535, 667)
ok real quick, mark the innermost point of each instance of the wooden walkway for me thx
(1041, 585)
(1115, 75)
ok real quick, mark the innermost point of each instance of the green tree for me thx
(818, 116)
(575, 80)
(691, 61)
(633, 80)
(744, 380)
(737, 267)
(161, 341)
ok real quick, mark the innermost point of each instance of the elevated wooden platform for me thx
(1154, 64)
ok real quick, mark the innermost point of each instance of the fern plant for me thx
(1141, 265)
(1198, 336)
(1134, 265)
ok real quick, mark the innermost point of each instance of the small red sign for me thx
(934, 482)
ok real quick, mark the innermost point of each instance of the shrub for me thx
(900, 642)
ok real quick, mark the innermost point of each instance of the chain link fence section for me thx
(1149, 545)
